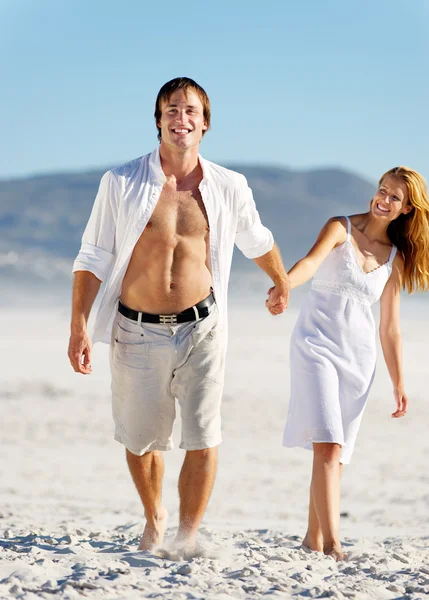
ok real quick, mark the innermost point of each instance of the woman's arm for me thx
(390, 334)
(331, 235)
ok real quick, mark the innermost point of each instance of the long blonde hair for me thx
(410, 232)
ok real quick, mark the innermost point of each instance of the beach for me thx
(70, 519)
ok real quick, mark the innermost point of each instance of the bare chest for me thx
(179, 212)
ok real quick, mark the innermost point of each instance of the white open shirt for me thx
(125, 201)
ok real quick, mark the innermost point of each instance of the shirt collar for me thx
(155, 169)
(157, 174)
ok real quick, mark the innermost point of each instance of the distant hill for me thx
(42, 218)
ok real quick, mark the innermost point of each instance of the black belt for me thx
(199, 311)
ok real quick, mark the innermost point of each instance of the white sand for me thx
(70, 519)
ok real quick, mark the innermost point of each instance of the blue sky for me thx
(306, 83)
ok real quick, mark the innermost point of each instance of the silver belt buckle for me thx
(168, 319)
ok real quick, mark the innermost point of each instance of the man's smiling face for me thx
(182, 120)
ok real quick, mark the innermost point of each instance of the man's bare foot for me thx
(335, 551)
(153, 534)
(185, 545)
(313, 542)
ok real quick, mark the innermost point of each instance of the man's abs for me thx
(169, 269)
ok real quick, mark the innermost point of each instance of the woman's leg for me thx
(313, 538)
(325, 494)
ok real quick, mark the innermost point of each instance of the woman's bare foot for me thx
(153, 534)
(313, 542)
(335, 551)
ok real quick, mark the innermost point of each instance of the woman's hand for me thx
(401, 402)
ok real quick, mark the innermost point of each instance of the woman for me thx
(358, 260)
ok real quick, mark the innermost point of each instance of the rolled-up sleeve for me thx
(252, 238)
(98, 241)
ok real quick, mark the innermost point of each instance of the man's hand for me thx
(278, 298)
(80, 349)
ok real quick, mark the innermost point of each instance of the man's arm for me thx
(256, 242)
(91, 267)
(85, 290)
(278, 295)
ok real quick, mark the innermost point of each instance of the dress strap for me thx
(392, 254)
(349, 227)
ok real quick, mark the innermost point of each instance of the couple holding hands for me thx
(161, 236)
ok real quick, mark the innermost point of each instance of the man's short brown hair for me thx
(185, 84)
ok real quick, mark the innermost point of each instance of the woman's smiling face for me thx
(391, 199)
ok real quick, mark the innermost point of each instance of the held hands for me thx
(401, 403)
(80, 347)
(278, 298)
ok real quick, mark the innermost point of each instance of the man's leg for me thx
(195, 486)
(144, 412)
(198, 385)
(147, 472)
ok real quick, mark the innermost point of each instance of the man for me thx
(161, 234)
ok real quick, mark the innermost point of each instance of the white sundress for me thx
(333, 351)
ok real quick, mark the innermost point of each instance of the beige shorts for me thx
(152, 365)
